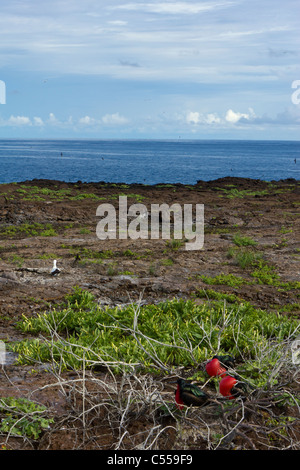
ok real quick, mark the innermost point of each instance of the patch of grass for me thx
(241, 193)
(16, 259)
(35, 193)
(224, 279)
(82, 196)
(240, 240)
(130, 254)
(153, 269)
(137, 197)
(90, 254)
(22, 417)
(126, 273)
(174, 244)
(112, 269)
(167, 262)
(243, 257)
(28, 230)
(285, 230)
(265, 274)
(151, 338)
(48, 256)
(211, 294)
(50, 232)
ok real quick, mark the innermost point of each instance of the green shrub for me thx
(22, 417)
(152, 338)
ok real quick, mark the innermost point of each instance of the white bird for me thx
(54, 270)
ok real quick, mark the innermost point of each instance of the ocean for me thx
(147, 161)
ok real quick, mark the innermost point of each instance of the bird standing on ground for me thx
(189, 394)
(218, 365)
(226, 360)
(232, 387)
(214, 368)
(55, 270)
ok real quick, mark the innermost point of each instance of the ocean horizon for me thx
(147, 161)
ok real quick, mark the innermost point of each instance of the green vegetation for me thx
(22, 417)
(112, 269)
(86, 253)
(28, 230)
(243, 257)
(224, 279)
(241, 193)
(239, 240)
(174, 243)
(233, 192)
(137, 197)
(48, 256)
(152, 338)
(262, 273)
(210, 294)
(16, 259)
(34, 193)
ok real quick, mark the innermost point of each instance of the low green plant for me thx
(243, 256)
(149, 338)
(16, 259)
(174, 243)
(224, 279)
(241, 193)
(240, 240)
(112, 269)
(265, 274)
(28, 230)
(22, 417)
(48, 256)
(210, 294)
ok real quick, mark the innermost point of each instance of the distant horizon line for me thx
(132, 139)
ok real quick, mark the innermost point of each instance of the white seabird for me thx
(54, 270)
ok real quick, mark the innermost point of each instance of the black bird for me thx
(189, 394)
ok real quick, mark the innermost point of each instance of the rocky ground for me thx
(42, 220)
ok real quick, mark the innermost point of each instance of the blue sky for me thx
(213, 69)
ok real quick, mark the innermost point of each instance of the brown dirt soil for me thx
(153, 270)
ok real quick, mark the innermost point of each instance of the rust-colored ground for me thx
(152, 269)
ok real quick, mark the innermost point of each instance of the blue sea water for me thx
(147, 161)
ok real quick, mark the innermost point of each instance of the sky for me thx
(213, 69)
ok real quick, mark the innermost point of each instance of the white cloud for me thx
(212, 118)
(174, 8)
(117, 22)
(38, 121)
(114, 119)
(19, 121)
(87, 120)
(193, 117)
(234, 117)
(52, 118)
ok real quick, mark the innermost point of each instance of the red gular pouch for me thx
(226, 387)
(215, 369)
(178, 399)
